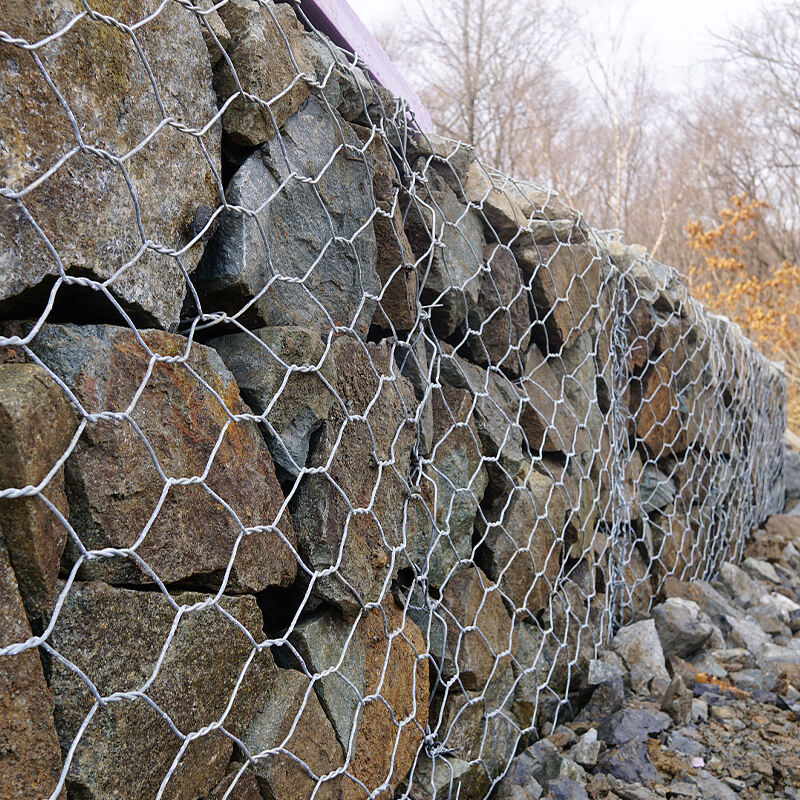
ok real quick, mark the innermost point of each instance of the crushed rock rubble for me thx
(701, 700)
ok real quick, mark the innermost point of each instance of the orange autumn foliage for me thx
(732, 280)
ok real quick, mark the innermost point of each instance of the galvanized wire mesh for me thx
(330, 455)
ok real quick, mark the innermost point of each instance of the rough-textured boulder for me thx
(447, 240)
(86, 209)
(350, 517)
(30, 758)
(269, 54)
(521, 540)
(381, 653)
(202, 659)
(395, 265)
(290, 722)
(640, 648)
(293, 408)
(288, 263)
(470, 631)
(679, 627)
(112, 482)
(453, 484)
(499, 326)
(37, 423)
(564, 281)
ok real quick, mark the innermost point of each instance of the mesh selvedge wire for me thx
(331, 455)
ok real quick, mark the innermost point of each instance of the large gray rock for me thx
(289, 721)
(284, 257)
(268, 52)
(447, 240)
(128, 642)
(380, 653)
(293, 407)
(453, 485)
(87, 210)
(499, 326)
(116, 496)
(37, 423)
(679, 627)
(30, 758)
(350, 517)
(640, 648)
(632, 724)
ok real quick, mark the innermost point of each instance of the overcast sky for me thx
(679, 29)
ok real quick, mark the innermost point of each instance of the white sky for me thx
(679, 29)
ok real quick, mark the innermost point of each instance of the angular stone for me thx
(203, 657)
(760, 570)
(607, 697)
(566, 789)
(285, 266)
(292, 411)
(520, 540)
(629, 762)
(112, 483)
(680, 630)
(747, 633)
(447, 240)
(510, 205)
(655, 488)
(453, 484)
(547, 418)
(30, 758)
(269, 55)
(654, 404)
(216, 36)
(449, 158)
(37, 423)
(632, 725)
(85, 208)
(640, 648)
(712, 602)
(677, 701)
(397, 308)
(381, 654)
(586, 751)
(351, 515)
(565, 285)
(499, 326)
(607, 666)
(440, 777)
(469, 628)
(289, 720)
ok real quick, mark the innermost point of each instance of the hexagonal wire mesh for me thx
(331, 454)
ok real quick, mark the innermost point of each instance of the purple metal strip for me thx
(337, 20)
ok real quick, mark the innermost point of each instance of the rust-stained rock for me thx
(203, 659)
(383, 656)
(521, 542)
(352, 515)
(86, 209)
(37, 423)
(269, 55)
(113, 485)
(30, 758)
(289, 719)
(654, 405)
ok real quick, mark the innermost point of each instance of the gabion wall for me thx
(329, 454)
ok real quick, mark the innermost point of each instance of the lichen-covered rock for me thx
(116, 638)
(447, 240)
(350, 517)
(284, 258)
(269, 55)
(260, 363)
(453, 484)
(30, 758)
(86, 209)
(381, 653)
(521, 540)
(116, 495)
(499, 326)
(37, 423)
(290, 721)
